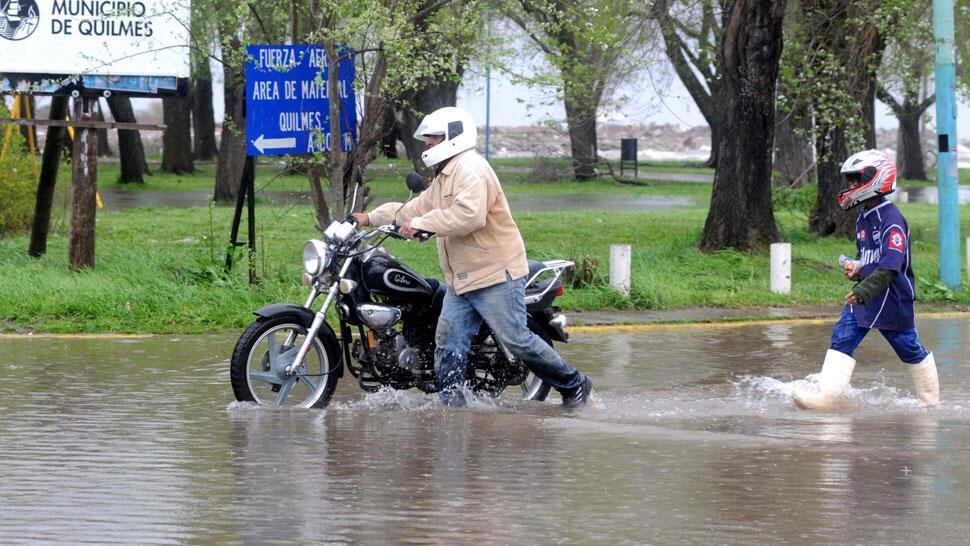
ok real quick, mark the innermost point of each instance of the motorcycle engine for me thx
(392, 351)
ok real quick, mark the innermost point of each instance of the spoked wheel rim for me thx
(531, 387)
(268, 357)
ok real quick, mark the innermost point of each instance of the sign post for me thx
(288, 101)
(288, 113)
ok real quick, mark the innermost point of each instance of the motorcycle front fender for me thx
(306, 317)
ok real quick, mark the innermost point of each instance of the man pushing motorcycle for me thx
(482, 256)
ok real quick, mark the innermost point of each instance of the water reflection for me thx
(691, 437)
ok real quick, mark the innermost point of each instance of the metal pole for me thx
(946, 158)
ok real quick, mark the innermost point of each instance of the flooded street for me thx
(691, 437)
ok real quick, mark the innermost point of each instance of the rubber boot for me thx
(926, 382)
(832, 382)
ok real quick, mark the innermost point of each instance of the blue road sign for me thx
(288, 103)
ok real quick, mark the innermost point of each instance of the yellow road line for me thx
(725, 324)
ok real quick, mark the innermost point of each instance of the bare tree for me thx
(590, 43)
(906, 67)
(692, 33)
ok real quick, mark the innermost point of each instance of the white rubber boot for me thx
(926, 382)
(832, 382)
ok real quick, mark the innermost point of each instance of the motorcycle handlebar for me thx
(424, 235)
(394, 231)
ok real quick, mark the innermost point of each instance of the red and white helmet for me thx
(874, 171)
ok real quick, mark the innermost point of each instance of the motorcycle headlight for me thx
(316, 259)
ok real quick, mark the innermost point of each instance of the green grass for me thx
(161, 270)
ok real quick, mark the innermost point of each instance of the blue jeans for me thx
(847, 335)
(502, 307)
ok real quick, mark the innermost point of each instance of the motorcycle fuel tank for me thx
(390, 278)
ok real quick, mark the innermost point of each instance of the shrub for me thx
(17, 186)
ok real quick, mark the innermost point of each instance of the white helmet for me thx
(875, 174)
(458, 128)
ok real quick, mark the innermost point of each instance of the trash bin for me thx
(628, 155)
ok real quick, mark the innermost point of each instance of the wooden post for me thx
(84, 188)
(51, 160)
(781, 268)
(620, 268)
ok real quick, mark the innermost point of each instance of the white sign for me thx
(95, 37)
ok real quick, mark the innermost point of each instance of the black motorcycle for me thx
(291, 357)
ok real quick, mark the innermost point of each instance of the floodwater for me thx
(690, 437)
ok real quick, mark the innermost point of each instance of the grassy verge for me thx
(160, 270)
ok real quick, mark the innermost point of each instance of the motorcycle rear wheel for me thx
(534, 388)
(261, 354)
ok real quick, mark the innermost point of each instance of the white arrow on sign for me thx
(262, 144)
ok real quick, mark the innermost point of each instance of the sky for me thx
(652, 100)
(652, 103)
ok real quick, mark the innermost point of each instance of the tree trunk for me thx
(319, 198)
(335, 155)
(177, 138)
(84, 189)
(715, 127)
(389, 143)
(828, 218)
(794, 153)
(53, 144)
(700, 77)
(909, 145)
(103, 149)
(740, 215)
(232, 148)
(203, 115)
(131, 151)
(846, 111)
(581, 106)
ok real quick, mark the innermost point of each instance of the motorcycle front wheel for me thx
(534, 388)
(266, 348)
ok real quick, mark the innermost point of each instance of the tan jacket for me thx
(478, 242)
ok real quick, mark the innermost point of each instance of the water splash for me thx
(760, 390)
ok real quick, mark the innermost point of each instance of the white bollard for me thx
(781, 268)
(620, 268)
(968, 256)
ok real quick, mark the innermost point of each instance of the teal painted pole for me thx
(946, 155)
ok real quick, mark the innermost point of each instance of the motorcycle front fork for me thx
(318, 320)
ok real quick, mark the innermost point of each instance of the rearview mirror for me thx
(415, 182)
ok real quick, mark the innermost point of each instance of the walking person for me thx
(884, 298)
